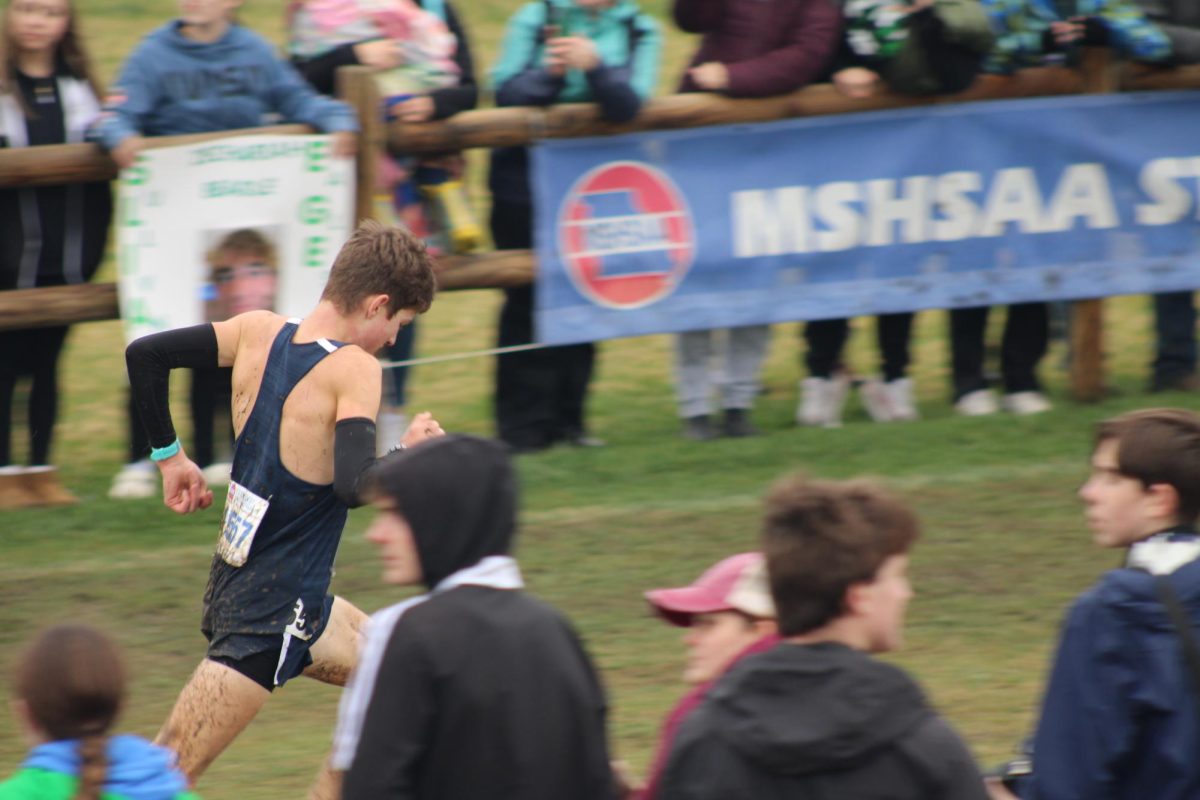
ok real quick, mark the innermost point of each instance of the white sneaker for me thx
(889, 402)
(1025, 403)
(821, 401)
(218, 473)
(978, 403)
(135, 481)
(389, 430)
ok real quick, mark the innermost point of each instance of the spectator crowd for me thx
(785, 695)
(476, 689)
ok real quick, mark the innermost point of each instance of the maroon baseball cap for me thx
(738, 583)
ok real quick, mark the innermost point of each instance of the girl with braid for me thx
(67, 692)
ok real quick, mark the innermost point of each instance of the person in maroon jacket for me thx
(749, 48)
(728, 615)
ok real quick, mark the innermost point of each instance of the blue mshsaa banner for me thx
(974, 204)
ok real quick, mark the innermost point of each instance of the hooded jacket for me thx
(822, 722)
(686, 705)
(171, 85)
(474, 690)
(1121, 714)
(137, 770)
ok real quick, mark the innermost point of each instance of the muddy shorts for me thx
(270, 659)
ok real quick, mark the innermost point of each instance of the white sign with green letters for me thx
(195, 219)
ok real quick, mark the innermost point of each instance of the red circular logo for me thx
(625, 235)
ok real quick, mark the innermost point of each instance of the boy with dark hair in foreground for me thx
(816, 716)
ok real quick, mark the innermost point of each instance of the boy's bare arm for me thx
(358, 381)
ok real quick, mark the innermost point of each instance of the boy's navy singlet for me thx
(280, 534)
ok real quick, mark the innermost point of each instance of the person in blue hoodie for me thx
(556, 51)
(1120, 715)
(69, 688)
(204, 72)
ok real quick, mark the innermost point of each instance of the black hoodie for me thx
(819, 722)
(459, 495)
(476, 690)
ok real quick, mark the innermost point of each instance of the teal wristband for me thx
(161, 453)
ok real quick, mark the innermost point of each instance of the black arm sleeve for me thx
(354, 459)
(150, 360)
(321, 71)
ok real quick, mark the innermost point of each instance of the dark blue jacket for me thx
(1121, 715)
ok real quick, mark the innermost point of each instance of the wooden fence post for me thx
(356, 86)
(1100, 76)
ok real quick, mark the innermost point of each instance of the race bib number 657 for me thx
(244, 512)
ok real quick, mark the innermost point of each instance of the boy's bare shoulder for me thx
(249, 328)
(259, 322)
(351, 362)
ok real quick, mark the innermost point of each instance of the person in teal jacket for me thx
(556, 51)
(69, 688)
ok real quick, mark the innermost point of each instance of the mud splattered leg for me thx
(335, 655)
(214, 707)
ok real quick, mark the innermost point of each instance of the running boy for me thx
(305, 395)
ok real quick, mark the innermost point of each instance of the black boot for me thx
(699, 429)
(738, 424)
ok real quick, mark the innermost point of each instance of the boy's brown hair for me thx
(381, 259)
(820, 537)
(1159, 445)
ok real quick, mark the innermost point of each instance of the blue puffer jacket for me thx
(171, 84)
(1121, 716)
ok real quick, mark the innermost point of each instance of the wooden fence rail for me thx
(502, 127)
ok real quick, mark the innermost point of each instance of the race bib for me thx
(244, 512)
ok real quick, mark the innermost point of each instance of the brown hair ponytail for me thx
(72, 682)
(93, 767)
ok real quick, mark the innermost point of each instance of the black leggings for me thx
(826, 339)
(540, 394)
(1026, 337)
(34, 353)
(211, 389)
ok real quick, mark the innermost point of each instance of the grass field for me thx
(1003, 552)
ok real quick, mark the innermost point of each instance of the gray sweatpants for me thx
(737, 377)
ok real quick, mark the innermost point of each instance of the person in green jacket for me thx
(68, 691)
